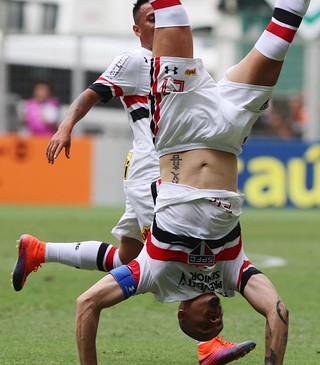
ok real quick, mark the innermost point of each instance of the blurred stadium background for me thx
(70, 43)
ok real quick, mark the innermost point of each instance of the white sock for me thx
(169, 13)
(276, 39)
(82, 255)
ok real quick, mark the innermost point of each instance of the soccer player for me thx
(127, 77)
(195, 244)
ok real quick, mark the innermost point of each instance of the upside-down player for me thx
(199, 129)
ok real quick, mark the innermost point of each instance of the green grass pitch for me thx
(37, 324)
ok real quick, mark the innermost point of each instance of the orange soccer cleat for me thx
(220, 352)
(31, 254)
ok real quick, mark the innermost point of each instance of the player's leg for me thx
(261, 294)
(129, 249)
(134, 225)
(263, 64)
(172, 35)
(86, 255)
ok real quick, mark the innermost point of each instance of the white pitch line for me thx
(263, 261)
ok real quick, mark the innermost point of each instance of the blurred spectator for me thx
(40, 114)
(297, 114)
(284, 119)
(278, 126)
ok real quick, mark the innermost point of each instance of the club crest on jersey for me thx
(173, 70)
(201, 255)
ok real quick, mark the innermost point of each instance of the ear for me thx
(136, 30)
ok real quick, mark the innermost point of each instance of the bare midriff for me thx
(202, 169)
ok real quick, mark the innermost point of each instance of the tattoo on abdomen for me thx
(175, 167)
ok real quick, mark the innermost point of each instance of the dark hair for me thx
(42, 82)
(136, 8)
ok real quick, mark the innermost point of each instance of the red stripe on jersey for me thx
(228, 254)
(161, 254)
(117, 89)
(161, 4)
(156, 115)
(156, 71)
(244, 266)
(109, 258)
(135, 99)
(136, 272)
(286, 34)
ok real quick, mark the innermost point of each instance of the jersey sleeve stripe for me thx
(117, 91)
(139, 114)
(135, 99)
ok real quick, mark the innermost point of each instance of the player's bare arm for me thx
(262, 296)
(283, 314)
(105, 293)
(77, 110)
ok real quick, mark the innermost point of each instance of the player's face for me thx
(144, 28)
(41, 92)
(201, 317)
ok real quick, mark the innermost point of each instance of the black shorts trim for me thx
(192, 242)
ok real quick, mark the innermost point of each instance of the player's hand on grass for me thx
(61, 139)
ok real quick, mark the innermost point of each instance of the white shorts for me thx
(203, 213)
(171, 280)
(137, 218)
(191, 111)
(195, 246)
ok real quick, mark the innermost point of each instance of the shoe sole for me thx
(232, 356)
(18, 270)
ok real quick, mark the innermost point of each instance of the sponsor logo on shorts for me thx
(173, 70)
(145, 231)
(202, 281)
(191, 72)
(265, 105)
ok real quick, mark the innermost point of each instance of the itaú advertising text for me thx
(280, 174)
